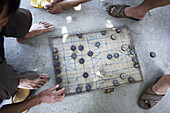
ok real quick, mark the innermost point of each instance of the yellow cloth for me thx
(39, 3)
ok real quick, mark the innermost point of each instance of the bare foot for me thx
(132, 12)
(36, 29)
(162, 85)
(33, 84)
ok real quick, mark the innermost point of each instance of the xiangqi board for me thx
(94, 60)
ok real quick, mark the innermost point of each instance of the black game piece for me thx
(103, 32)
(113, 37)
(78, 89)
(131, 47)
(122, 76)
(115, 82)
(97, 44)
(118, 30)
(56, 57)
(81, 47)
(73, 47)
(88, 87)
(81, 61)
(109, 56)
(135, 59)
(59, 88)
(58, 79)
(74, 56)
(85, 74)
(57, 64)
(55, 50)
(136, 65)
(152, 54)
(132, 52)
(80, 35)
(131, 80)
(116, 55)
(123, 47)
(58, 71)
(90, 53)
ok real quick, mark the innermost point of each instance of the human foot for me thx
(37, 29)
(33, 84)
(155, 93)
(162, 85)
(125, 11)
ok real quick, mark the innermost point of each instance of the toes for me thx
(44, 76)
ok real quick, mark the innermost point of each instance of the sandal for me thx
(20, 96)
(119, 11)
(149, 99)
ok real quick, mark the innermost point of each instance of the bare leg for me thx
(139, 11)
(162, 85)
(36, 29)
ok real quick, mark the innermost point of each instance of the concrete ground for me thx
(150, 34)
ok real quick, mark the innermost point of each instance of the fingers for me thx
(44, 76)
(60, 91)
(53, 88)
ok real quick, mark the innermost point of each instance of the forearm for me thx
(22, 106)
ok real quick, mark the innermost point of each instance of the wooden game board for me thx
(102, 71)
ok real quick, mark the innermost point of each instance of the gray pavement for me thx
(150, 34)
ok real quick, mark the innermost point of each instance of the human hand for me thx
(48, 96)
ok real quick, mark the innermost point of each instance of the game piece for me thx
(113, 37)
(81, 47)
(132, 52)
(97, 44)
(56, 57)
(103, 32)
(85, 74)
(58, 71)
(118, 30)
(73, 47)
(122, 76)
(135, 59)
(59, 88)
(109, 56)
(136, 65)
(123, 47)
(152, 54)
(131, 80)
(115, 82)
(55, 50)
(78, 89)
(74, 56)
(102, 72)
(81, 61)
(57, 64)
(116, 55)
(58, 79)
(90, 53)
(131, 46)
(80, 35)
(88, 87)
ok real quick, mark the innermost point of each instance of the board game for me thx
(95, 60)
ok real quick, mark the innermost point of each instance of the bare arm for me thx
(46, 96)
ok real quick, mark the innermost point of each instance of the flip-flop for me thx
(39, 3)
(21, 95)
(119, 11)
(149, 99)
